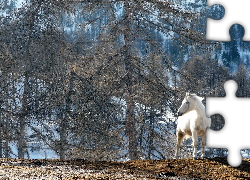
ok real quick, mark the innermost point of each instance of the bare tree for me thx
(108, 93)
(135, 23)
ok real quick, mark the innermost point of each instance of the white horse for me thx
(192, 122)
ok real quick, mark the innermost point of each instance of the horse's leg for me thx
(180, 136)
(195, 143)
(203, 143)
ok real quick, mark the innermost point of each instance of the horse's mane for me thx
(200, 104)
(198, 100)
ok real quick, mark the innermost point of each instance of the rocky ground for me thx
(216, 168)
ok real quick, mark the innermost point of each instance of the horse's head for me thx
(188, 103)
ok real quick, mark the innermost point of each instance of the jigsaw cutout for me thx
(235, 134)
(218, 30)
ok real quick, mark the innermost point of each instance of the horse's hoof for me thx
(195, 158)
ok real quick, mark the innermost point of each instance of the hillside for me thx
(216, 168)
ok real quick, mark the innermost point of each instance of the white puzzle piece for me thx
(235, 13)
(236, 132)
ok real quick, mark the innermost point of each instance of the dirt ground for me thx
(216, 168)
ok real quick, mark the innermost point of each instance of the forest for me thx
(103, 79)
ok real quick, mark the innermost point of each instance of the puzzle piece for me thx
(218, 30)
(235, 134)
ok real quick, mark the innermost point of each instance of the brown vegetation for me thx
(215, 168)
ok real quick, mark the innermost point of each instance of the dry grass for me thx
(216, 168)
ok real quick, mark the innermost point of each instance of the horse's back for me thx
(191, 121)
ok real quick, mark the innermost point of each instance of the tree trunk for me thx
(65, 120)
(151, 134)
(7, 136)
(131, 127)
(130, 112)
(63, 139)
(21, 144)
(1, 139)
(6, 149)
